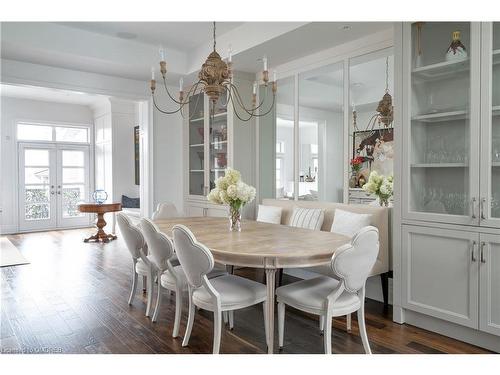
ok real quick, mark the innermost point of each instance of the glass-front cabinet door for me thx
(218, 140)
(196, 144)
(442, 112)
(490, 121)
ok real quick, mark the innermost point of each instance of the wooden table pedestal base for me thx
(101, 235)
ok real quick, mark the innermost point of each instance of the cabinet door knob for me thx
(474, 207)
(483, 201)
(483, 259)
(473, 251)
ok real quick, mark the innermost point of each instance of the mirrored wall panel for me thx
(284, 140)
(371, 137)
(321, 153)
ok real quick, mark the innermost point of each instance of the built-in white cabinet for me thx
(452, 275)
(489, 271)
(215, 140)
(440, 273)
(451, 106)
(450, 175)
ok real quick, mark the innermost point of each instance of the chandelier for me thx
(216, 79)
(384, 114)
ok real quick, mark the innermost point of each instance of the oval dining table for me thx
(261, 245)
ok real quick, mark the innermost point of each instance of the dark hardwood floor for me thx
(72, 298)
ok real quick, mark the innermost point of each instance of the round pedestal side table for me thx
(100, 210)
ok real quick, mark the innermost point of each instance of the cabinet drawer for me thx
(440, 273)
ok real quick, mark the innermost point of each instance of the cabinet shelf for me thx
(495, 164)
(197, 145)
(217, 169)
(495, 110)
(440, 70)
(218, 143)
(197, 119)
(496, 56)
(440, 165)
(441, 116)
(196, 170)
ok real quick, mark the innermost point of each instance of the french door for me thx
(53, 180)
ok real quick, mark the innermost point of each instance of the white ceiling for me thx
(182, 36)
(49, 95)
(106, 47)
(305, 40)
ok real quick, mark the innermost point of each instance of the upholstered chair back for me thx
(160, 247)
(195, 258)
(165, 210)
(131, 234)
(353, 262)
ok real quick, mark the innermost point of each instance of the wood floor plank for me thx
(80, 306)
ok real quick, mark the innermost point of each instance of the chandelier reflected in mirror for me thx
(215, 79)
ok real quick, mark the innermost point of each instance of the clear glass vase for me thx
(234, 219)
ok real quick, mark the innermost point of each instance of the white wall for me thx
(13, 110)
(168, 164)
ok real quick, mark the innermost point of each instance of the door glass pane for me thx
(495, 124)
(218, 141)
(71, 134)
(321, 152)
(37, 211)
(196, 145)
(36, 194)
(36, 175)
(36, 157)
(285, 117)
(440, 126)
(71, 158)
(27, 132)
(72, 195)
(73, 175)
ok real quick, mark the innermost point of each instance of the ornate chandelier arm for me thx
(251, 114)
(163, 111)
(240, 100)
(180, 102)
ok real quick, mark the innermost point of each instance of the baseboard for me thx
(373, 284)
(455, 331)
(8, 229)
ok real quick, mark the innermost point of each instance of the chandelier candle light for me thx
(214, 79)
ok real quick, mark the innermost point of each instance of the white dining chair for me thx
(165, 210)
(167, 268)
(141, 263)
(327, 297)
(223, 293)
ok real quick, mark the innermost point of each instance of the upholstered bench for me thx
(379, 218)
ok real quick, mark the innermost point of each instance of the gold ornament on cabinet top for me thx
(456, 51)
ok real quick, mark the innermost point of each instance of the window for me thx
(26, 132)
(72, 134)
(51, 133)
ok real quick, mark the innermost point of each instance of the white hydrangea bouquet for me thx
(230, 190)
(380, 185)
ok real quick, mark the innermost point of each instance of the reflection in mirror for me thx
(276, 143)
(321, 134)
(284, 143)
(369, 76)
